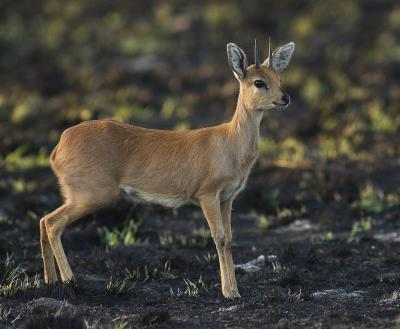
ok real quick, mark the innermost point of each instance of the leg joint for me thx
(54, 227)
(219, 238)
(228, 244)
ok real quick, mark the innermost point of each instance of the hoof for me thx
(65, 290)
(231, 294)
(236, 294)
(50, 280)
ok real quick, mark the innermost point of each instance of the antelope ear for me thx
(237, 60)
(281, 57)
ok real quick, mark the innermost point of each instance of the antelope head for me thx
(260, 85)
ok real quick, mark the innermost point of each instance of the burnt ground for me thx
(307, 279)
(319, 216)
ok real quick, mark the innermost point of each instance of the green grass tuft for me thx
(13, 279)
(118, 287)
(200, 238)
(125, 237)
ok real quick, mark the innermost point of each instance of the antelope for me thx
(97, 161)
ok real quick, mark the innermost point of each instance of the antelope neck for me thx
(245, 127)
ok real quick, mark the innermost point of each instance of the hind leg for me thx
(50, 274)
(55, 224)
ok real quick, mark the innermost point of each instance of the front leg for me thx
(226, 209)
(210, 204)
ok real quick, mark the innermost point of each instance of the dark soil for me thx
(321, 283)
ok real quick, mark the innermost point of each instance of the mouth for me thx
(281, 105)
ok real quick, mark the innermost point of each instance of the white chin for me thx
(280, 106)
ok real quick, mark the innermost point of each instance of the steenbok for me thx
(97, 161)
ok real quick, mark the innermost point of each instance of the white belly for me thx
(166, 200)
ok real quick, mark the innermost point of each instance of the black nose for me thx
(286, 99)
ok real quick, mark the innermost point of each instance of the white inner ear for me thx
(281, 57)
(236, 61)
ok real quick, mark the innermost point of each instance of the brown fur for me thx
(207, 167)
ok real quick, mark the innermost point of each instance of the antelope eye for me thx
(259, 84)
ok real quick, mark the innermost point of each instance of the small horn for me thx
(256, 58)
(269, 53)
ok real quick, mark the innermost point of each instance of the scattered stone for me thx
(300, 225)
(282, 324)
(252, 266)
(387, 237)
(229, 309)
(336, 294)
(50, 305)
